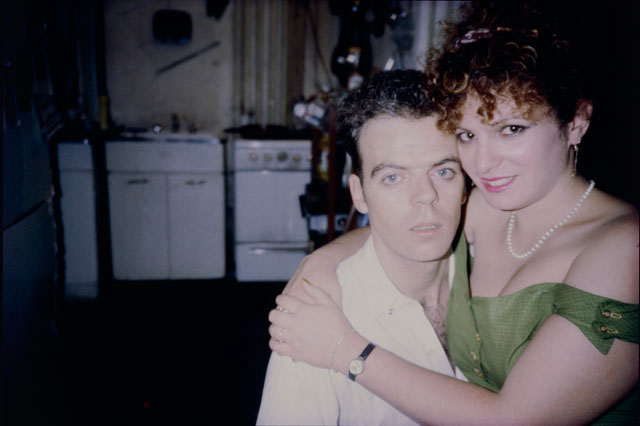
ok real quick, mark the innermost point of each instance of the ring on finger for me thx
(281, 309)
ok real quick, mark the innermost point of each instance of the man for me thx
(394, 289)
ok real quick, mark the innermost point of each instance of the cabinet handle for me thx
(194, 182)
(137, 181)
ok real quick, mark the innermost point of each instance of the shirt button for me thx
(603, 329)
(478, 372)
(478, 338)
(474, 356)
(390, 311)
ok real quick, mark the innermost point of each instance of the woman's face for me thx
(514, 159)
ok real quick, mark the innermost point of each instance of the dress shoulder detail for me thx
(599, 318)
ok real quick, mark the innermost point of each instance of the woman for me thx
(547, 332)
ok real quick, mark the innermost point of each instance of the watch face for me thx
(356, 366)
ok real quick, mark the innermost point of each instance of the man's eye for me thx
(446, 173)
(391, 178)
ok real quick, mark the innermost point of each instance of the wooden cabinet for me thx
(166, 209)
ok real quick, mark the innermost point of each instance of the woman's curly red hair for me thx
(506, 49)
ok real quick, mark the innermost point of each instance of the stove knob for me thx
(268, 157)
(253, 156)
(282, 156)
(296, 158)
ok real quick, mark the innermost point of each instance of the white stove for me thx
(270, 233)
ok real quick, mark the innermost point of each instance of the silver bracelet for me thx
(338, 344)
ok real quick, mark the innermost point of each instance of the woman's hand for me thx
(320, 266)
(320, 269)
(307, 332)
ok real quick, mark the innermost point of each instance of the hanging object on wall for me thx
(216, 8)
(172, 26)
(402, 28)
(352, 58)
(187, 58)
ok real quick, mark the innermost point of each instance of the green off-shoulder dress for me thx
(486, 335)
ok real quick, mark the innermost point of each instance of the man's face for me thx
(412, 188)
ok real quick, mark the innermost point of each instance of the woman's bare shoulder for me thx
(608, 263)
(616, 224)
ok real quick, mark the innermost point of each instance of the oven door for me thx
(268, 261)
(267, 207)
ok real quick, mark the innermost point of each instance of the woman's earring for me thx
(575, 161)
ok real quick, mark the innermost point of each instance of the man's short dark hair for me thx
(399, 93)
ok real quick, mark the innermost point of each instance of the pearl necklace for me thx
(538, 244)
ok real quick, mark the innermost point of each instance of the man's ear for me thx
(580, 123)
(465, 197)
(357, 194)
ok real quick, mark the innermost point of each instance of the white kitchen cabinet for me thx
(139, 231)
(77, 204)
(196, 218)
(166, 207)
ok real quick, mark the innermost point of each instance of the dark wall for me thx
(609, 152)
(39, 85)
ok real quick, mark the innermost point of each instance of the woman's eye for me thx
(513, 129)
(464, 136)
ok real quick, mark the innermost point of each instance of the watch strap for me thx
(363, 356)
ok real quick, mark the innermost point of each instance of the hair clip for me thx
(472, 36)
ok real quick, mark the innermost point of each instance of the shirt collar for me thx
(382, 294)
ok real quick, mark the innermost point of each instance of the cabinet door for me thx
(80, 242)
(197, 225)
(139, 226)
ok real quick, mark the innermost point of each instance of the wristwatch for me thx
(356, 365)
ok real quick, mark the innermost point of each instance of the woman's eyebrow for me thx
(500, 122)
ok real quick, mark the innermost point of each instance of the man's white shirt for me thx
(296, 393)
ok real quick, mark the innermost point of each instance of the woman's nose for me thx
(486, 157)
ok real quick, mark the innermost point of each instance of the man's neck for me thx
(426, 282)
